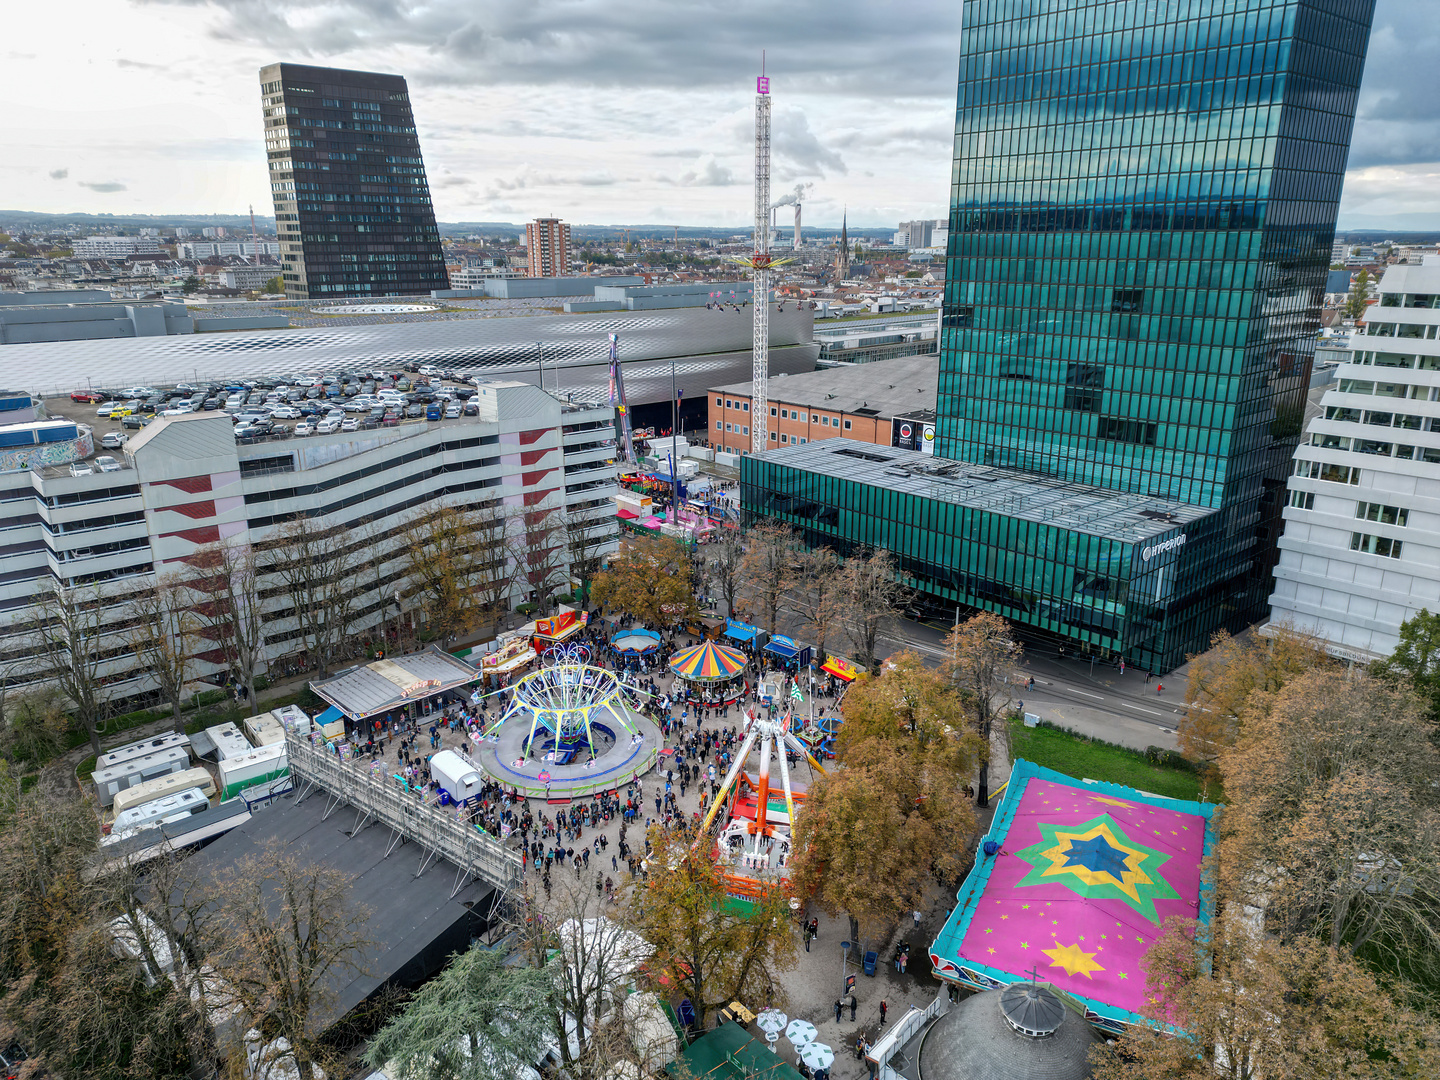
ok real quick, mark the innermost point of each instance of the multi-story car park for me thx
(1359, 554)
(185, 482)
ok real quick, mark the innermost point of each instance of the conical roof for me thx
(976, 1039)
(1031, 1010)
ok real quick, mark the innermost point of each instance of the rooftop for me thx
(381, 685)
(1062, 503)
(888, 387)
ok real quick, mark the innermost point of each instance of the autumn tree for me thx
(1359, 298)
(715, 951)
(479, 1019)
(648, 579)
(768, 569)
(869, 592)
(1333, 822)
(878, 830)
(320, 570)
(726, 554)
(1231, 1003)
(541, 552)
(981, 654)
(448, 553)
(69, 628)
(165, 631)
(35, 726)
(224, 582)
(587, 540)
(820, 593)
(1416, 660)
(1223, 679)
(284, 931)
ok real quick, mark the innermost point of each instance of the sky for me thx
(595, 111)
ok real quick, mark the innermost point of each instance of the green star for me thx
(1098, 859)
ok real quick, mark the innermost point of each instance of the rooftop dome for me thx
(1020, 1033)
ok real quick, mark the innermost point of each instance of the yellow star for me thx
(1075, 960)
(991, 951)
(1111, 802)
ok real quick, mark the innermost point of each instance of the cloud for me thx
(105, 187)
(451, 180)
(796, 146)
(139, 64)
(712, 175)
(59, 174)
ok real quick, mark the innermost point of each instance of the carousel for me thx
(630, 645)
(712, 674)
(568, 730)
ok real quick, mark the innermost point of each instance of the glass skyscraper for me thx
(352, 206)
(1143, 204)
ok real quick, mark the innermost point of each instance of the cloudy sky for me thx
(598, 111)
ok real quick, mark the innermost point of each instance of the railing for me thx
(475, 854)
(889, 1044)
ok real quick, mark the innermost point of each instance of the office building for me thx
(1361, 548)
(184, 482)
(547, 241)
(881, 403)
(914, 234)
(1126, 339)
(247, 249)
(114, 247)
(352, 206)
(248, 278)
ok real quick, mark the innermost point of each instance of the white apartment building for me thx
(184, 483)
(1361, 548)
(200, 249)
(115, 247)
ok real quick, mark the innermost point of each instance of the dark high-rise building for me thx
(352, 206)
(1143, 204)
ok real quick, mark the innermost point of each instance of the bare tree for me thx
(820, 592)
(456, 562)
(768, 568)
(319, 570)
(285, 929)
(69, 629)
(541, 552)
(586, 538)
(727, 558)
(981, 653)
(869, 594)
(165, 631)
(224, 583)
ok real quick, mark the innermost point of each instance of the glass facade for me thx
(352, 206)
(1143, 206)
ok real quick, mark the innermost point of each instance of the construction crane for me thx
(254, 239)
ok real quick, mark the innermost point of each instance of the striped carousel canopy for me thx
(708, 662)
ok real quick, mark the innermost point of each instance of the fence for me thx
(888, 1047)
(475, 854)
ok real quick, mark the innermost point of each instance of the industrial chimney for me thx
(797, 224)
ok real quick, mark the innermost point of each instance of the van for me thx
(170, 807)
(165, 785)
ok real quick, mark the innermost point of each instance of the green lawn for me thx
(1084, 758)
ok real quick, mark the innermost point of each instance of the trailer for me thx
(293, 718)
(265, 730)
(261, 765)
(458, 778)
(174, 806)
(228, 741)
(138, 749)
(129, 772)
(162, 786)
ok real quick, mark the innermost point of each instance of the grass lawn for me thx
(1084, 758)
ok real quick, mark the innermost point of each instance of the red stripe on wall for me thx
(530, 457)
(192, 484)
(197, 510)
(206, 534)
(533, 497)
(528, 437)
(530, 479)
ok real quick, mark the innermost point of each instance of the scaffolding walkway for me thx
(476, 855)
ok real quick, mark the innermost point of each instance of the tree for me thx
(715, 951)
(820, 593)
(586, 540)
(1233, 1004)
(877, 831)
(190, 284)
(868, 595)
(648, 579)
(1333, 822)
(1359, 298)
(35, 726)
(768, 569)
(444, 561)
(1223, 679)
(69, 631)
(284, 930)
(164, 631)
(479, 1019)
(320, 570)
(981, 653)
(224, 583)
(727, 557)
(274, 285)
(541, 552)
(1416, 660)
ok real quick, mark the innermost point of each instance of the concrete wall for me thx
(90, 321)
(243, 322)
(513, 288)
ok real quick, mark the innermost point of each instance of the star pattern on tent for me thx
(1073, 959)
(1098, 859)
(1111, 802)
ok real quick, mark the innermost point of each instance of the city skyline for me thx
(616, 120)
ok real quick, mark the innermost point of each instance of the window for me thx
(1083, 386)
(717, 425)
(729, 404)
(745, 405)
(1137, 432)
(719, 402)
(784, 438)
(746, 431)
(1302, 500)
(847, 425)
(1386, 515)
(1126, 300)
(1383, 546)
(814, 419)
(772, 434)
(824, 421)
(772, 410)
(727, 427)
(804, 441)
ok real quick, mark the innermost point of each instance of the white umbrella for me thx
(771, 1021)
(800, 1032)
(817, 1055)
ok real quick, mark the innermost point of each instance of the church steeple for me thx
(842, 257)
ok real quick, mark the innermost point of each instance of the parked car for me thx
(81, 468)
(350, 424)
(432, 412)
(285, 412)
(179, 410)
(452, 411)
(134, 422)
(88, 397)
(106, 463)
(246, 431)
(415, 412)
(327, 427)
(471, 408)
(113, 440)
(104, 411)
(305, 427)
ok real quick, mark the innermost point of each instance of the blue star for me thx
(1098, 855)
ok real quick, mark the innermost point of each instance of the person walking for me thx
(852, 1008)
(882, 1012)
(839, 1008)
(917, 920)
(806, 933)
